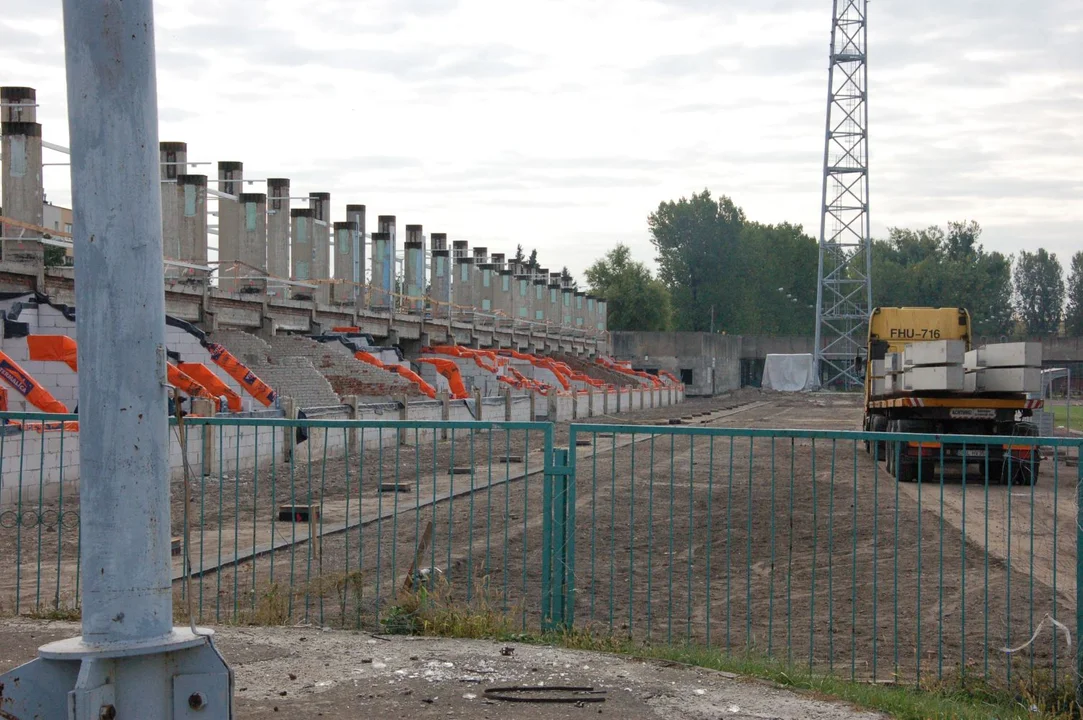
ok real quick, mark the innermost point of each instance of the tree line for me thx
(720, 271)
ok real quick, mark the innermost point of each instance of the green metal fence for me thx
(796, 545)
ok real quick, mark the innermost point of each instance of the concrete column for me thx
(350, 261)
(22, 194)
(575, 404)
(619, 394)
(552, 405)
(301, 250)
(590, 403)
(553, 314)
(521, 294)
(414, 270)
(478, 412)
(253, 248)
(540, 301)
(483, 282)
(278, 236)
(600, 307)
(174, 162)
(507, 404)
(462, 284)
(345, 235)
(579, 309)
(383, 262)
(605, 402)
(589, 317)
(440, 277)
(567, 304)
(190, 197)
(320, 203)
(230, 175)
(380, 284)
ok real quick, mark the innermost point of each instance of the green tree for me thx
(636, 300)
(55, 256)
(1039, 291)
(753, 278)
(532, 261)
(931, 267)
(697, 240)
(1073, 316)
(519, 256)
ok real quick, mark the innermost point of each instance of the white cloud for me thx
(561, 124)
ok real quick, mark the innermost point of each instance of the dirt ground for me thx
(806, 550)
(309, 673)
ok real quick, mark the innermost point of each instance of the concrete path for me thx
(308, 672)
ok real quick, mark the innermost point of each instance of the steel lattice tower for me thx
(844, 292)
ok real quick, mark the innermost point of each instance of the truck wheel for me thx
(907, 472)
(1019, 473)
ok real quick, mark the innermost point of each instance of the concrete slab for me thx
(309, 672)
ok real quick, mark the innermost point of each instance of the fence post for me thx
(1078, 569)
(289, 409)
(533, 415)
(445, 412)
(507, 404)
(354, 413)
(204, 407)
(558, 544)
(590, 403)
(404, 414)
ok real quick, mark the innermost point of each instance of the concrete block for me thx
(1005, 355)
(1005, 379)
(934, 352)
(946, 378)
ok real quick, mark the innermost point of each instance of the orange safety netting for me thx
(53, 348)
(400, 370)
(670, 376)
(206, 377)
(239, 371)
(449, 370)
(28, 387)
(3, 400)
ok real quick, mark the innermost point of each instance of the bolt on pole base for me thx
(177, 677)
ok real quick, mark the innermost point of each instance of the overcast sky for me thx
(562, 124)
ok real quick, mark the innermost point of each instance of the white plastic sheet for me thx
(789, 373)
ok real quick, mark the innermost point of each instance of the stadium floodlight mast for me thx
(129, 662)
(844, 289)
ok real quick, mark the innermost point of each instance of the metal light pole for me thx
(130, 662)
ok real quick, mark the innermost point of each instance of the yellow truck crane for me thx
(892, 407)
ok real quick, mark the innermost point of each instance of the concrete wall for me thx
(48, 462)
(714, 360)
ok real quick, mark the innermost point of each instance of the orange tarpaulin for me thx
(239, 371)
(28, 387)
(183, 382)
(405, 372)
(206, 377)
(61, 348)
(449, 370)
(53, 348)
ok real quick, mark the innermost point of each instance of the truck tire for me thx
(1018, 473)
(908, 472)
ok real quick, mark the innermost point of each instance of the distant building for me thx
(56, 217)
